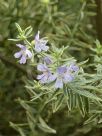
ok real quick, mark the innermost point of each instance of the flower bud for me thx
(33, 42)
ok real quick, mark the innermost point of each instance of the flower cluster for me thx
(63, 74)
(40, 44)
(60, 75)
(24, 53)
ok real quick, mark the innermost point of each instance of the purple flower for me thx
(40, 44)
(63, 76)
(73, 68)
(23, 54)
(47, 60)
(44, 78)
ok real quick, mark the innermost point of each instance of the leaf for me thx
(28, 30)
(81, 105)
(26, 106)
(87, 105)
(100, 121)
(83, 62)
(58, 103)
(45, 127)
(15, 40)
(17, 128)
(87, 94)
(91, 119)
(71, 99)
(31, 121)
(18, 27)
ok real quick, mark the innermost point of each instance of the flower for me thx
(44, 78)
(73, 67)
(47, 60)
(23, 54)
(40, 44)
(63, 76)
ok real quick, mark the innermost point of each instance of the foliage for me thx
(49, 110)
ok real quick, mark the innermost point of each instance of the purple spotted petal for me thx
(43, 42)
(37, 48)
(23, 54)
(20, 46)
(59, 83)
(18, 54)
(40, 44)
(52, 77)
(29, 54)
(68, 78)
(23, 60)
(40, 76)
(44, 48)
(37, 36)
(73, 67)
(42, 67)
(44, 79)
(48, 60)
(62, 69)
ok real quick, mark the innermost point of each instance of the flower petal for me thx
(29, 54)
(42, 67)
(73, 67)
(47, 60)
(68, 78)
(20, 46)
(18, 54)
(52, 77)
(44, 79)
(37, 48)
(62, 69)
(23, 60)
(37, 36)
(44, 48)
(59, 83)
(43, 42)
(40, 76)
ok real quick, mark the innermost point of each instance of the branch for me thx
(99, 19)
(17, 66)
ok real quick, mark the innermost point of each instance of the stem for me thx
(17, 66)
(77, 23)
(99, 19)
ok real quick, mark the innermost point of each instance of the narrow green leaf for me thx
(87, 94)
(45, 127)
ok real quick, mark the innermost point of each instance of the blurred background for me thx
(76, 23)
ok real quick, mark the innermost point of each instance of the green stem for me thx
(99, 19)
(17, 66)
